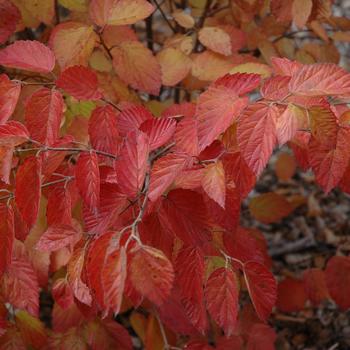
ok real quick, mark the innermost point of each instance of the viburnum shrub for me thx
(130, 133)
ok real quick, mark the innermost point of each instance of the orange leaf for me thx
(270, 207)
(301, 10)
(315, 285)
(136, 66)
(213, 182)
(287, 301)
(216, 39)
(152, 274)
(119, 12)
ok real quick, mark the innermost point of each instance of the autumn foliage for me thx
(130, 133)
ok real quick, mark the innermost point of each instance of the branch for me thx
(66, 149)
(164, 16)
(201, 22)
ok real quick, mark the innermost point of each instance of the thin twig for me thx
(164, 16)
(112, 104)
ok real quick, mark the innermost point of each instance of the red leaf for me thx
(103, 130)
(186, 136)
(9, 16)
(184, 214)
(56, 237)
(132, 164)
(262, 288)
(13, 134)
(164, 172)
(28, 189)
(213, 182)
(247, 245)
(221, 293)
(217, 109)
(43, 115)
(94, 265)
(189, 272)
(7, 235)
(152, 274)
(285, 67)
(159, 131)
(315, 285)
(9, 93)
(131, 118)
(185, 109)
(338, 280)
(275, 88)
(6, 156)
(62, 293)
(260, 337)
(19, 285)
(28, 55)
(287, 301)
(256, 135)
(80, 82)
(74, 273)
(237, 171)
(320, 79)
(113, 277)
(239, 83)
(59, 206)
(87, 175)
(234, 342)
(329, 162)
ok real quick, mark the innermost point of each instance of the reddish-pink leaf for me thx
(7, 235)
(43, 115)
(214, 184)
(19, 285)
(56, 237)
(329, 162)
(113, 277)
(261, 336)
(131, 166)
(6, 157)
(9, 16)
(287, 301)
(164, 172)
(152, 274)
(221, 293)
(28, 189)
(189, 272)
(13, 134)
(59, 206)
(103, 130)
(9, 93)
(62, 293)
(80, 82)
(159, 131)
(315, 285)
(262, 288)
(217, 109)
(87, 175)
(256, 135)
(74, 273)
(338, 280)
(320, 79)
(186, 136)
(28, 55)
(275, 88)
(285, 67)
(131, 118)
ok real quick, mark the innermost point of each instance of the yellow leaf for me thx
(216, 39)
(74, 5)
(175, 66)
(179, 41)
(31, 328)
(183, 19)
(36, 11)
(251, 67)
(100, 62)
(136, 66)
(73, 43)
(119, 12)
